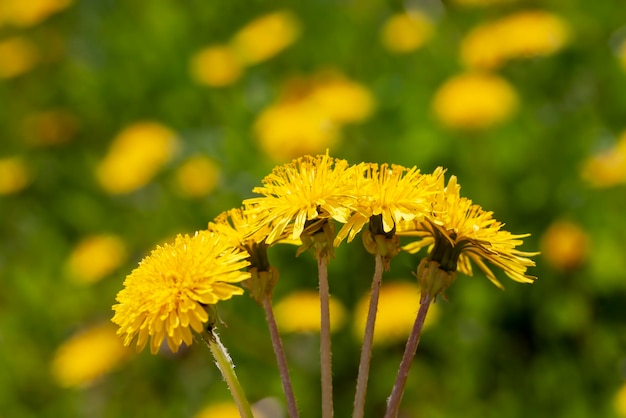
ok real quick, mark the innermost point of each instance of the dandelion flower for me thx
(474, 101)
(215, 66)
(166, 295)
(265, 37)
(96, 257)
(458, 232)
(306, 190)
(300, 312)
(396, 193)
(343, 100)
(607, 168)
(405, 32)
(87, 356)
(619, 401)
(29, 13)
(137, 153)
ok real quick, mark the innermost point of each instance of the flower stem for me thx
(366, 349)
(325, 351)
(393, 404)
(281, 360)
(227, 368)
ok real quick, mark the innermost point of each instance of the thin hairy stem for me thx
(393, 404)
(366, 349)
(281, 360)
(325, 351)
(227, 368)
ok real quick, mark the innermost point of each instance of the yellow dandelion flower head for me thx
(397, 306)
(167, 293)
(300, 312)
(343, 100)
(266, 36)
(307, 189)
(14, 175)
(621, 54)
(395, 192)
(606, 168)
(295, 127)
(215, 66)
(29, 13)
(197, 176)
(474, 101)
(523, 34)
(565, 245)
(459, 232)
(18, 55)
(241, 225)
(87, 356)
(96, 257)
(136, 154)
(406, 32)
(50, 127)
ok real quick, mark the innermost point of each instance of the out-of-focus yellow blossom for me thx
(215, 66)
(397, 306)
(50, 127)
(308, 117)
(300, 312)
(197, 176)
(405, 32)
(295, 127)
(565, 245)
(226, 410)
(608, 168)
(474, 101)
(266, 36)
(521, 35)
(96, 257)
(135, 156)
(481, 2)
(18, 55)
(621, 54)
(619, 401)
(14, 175)
(26, 13)
(87, 356)
(343, 100)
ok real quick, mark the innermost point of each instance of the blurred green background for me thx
(92, 93)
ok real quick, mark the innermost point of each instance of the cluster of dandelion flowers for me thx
(167, 294)
(458, 232)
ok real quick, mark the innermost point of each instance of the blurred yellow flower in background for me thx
(49, 127)
(215, 66)
(523, 34)
(607, 168)
(397, 306)
(167, 294)
(565, 245)
(265, 37)
(474, 101)
(87, 356)
(308, 116)
(96, 257)
(197, 176)
(136, 154)
(621, 54)
(619, 401)
(228, 409)
(481, 2)
(25, 13)
(14, 175)
(18, 55)
(300, 312)
(405, 32)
